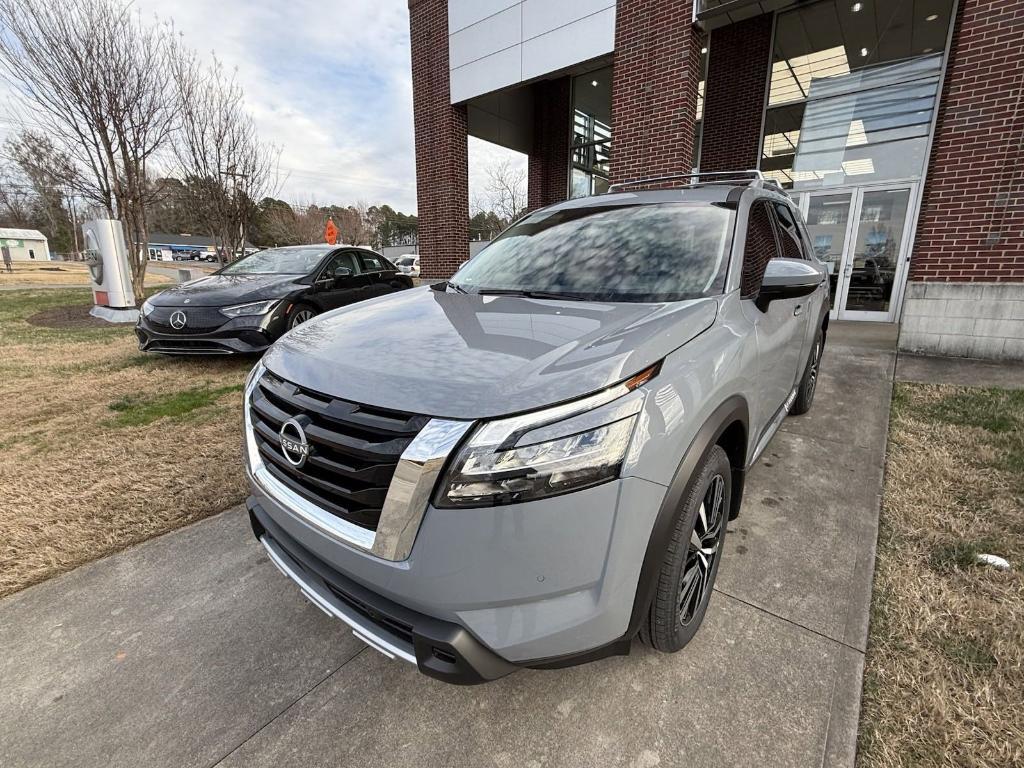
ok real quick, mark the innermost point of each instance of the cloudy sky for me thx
(330, 84)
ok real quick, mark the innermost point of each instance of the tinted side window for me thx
(759, 249)
(372, 262)
(789, 234)
(339, 260)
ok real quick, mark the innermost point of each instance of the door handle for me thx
(798, 310)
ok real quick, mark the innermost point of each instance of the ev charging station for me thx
(107, 258)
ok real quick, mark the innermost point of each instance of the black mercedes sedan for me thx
(245, 306)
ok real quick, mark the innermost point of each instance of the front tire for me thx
(809, 383)
(691, 563)
(300, 314)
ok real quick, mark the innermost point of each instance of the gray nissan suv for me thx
(543, 466)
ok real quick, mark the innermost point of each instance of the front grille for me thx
(197, 319)
(354, 449)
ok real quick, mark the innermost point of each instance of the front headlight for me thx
(545, 453)
(147, 308)
(248, 310)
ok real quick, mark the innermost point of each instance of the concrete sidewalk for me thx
(193, 650)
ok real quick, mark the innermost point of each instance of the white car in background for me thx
(409, 264)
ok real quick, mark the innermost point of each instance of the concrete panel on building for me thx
(567, 45)
(496, 44)
(488, 36)
(543, 16)
(487, 74)
(464, 13)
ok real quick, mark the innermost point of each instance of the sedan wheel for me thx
(300, 316)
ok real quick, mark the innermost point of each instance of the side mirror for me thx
(788, 279)
(342, 272)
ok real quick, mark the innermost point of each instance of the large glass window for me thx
(853, 91)
(591, 132)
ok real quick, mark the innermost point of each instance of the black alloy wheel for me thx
(688, 572)
(809, 382)
(702, 554)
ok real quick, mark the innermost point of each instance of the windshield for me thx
(657, 252)
(279, 261)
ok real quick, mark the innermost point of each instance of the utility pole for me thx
(74, 220)
(232, 172)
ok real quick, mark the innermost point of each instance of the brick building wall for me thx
(971, 226)
(548, 180)
(965, 296)
(654, 88)
(739, 56)
(442, 162)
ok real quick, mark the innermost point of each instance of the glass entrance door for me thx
(876, 255)
(861, 236)
(828, 217)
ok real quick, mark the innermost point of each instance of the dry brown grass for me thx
(68, 273)
(102, 447)
(944, 679)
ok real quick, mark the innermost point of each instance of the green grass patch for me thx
(949, 556)
(17, 306)
(900, 398)
(997, 410)
(140, 410)
(968, 652)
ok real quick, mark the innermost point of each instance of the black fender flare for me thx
(732, 410)
(305, 297)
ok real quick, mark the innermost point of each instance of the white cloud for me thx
(332, 88)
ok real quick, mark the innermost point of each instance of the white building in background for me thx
(25, 244)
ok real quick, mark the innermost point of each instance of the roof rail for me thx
(694, 178)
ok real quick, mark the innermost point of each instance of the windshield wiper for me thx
(532, 294)
(445, 285)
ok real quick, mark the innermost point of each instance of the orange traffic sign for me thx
(331, 233)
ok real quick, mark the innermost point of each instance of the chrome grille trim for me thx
(404, 505)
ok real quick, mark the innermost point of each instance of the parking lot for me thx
(191, 649)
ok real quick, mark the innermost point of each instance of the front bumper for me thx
(545, 583)
(438, 648)
(233, 337)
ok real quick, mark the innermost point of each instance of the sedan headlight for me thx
(545, 453)
(248, 310)
(147, 308)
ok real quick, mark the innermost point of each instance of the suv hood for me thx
(471, 357)
(222, 290)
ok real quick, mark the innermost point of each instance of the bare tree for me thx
(354, 224)
(100, 78)
(45, 173)
(16, 198)
(284, 224)
(221, 159)
(505, 193)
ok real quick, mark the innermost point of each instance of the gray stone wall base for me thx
(981, 320)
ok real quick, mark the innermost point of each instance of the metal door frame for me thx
(857, 192)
